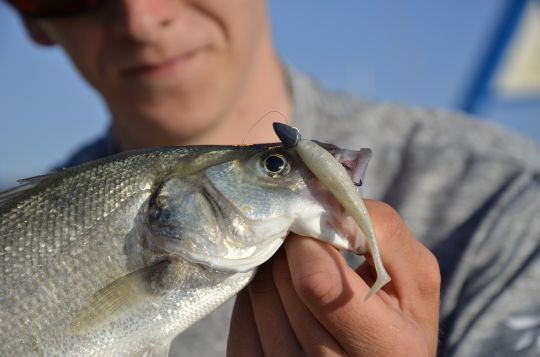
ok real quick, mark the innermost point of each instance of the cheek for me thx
(242, 22)
(82, 43)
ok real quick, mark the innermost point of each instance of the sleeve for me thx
(491, 305)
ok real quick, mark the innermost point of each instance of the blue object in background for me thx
(417, 52)
(482, 96)
(505, 30)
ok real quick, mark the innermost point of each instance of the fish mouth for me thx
(327, 220)
(355, 162)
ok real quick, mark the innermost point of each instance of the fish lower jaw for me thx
(252, 257)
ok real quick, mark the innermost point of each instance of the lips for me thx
(162, 68)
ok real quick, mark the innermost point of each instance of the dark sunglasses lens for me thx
(54, 8)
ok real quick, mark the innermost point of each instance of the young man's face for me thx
(178, 63)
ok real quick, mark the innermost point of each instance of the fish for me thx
(120, 255)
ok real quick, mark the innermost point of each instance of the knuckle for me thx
(390, 221)
(317, 286)
(386, 214)
(385, 210)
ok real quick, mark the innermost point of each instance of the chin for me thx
(179, 128)
(180, 112)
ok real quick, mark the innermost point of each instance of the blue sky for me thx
(416, 52)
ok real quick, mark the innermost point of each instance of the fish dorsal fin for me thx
(34, 180)
(24, 186)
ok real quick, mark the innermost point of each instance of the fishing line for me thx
(259, 120)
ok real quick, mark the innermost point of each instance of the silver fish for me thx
(118, 256)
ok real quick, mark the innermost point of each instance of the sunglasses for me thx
(54, 8)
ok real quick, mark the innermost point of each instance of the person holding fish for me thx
(194, 72)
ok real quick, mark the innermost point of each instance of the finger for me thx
(413, 268)
(334, 294)
(275, 333)
(243, 337)
(313, 337)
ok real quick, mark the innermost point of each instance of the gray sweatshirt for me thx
(468, 190)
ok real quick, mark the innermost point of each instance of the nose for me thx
(141, 20)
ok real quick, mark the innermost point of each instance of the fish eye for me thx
(275, 165)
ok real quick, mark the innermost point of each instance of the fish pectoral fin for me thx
(115, 298)
(157, 351)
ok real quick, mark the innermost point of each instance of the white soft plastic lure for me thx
(335, 178)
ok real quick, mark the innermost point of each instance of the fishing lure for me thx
(335, 178)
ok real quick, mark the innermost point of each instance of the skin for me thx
(197, 72)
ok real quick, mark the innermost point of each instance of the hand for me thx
(308, 301)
